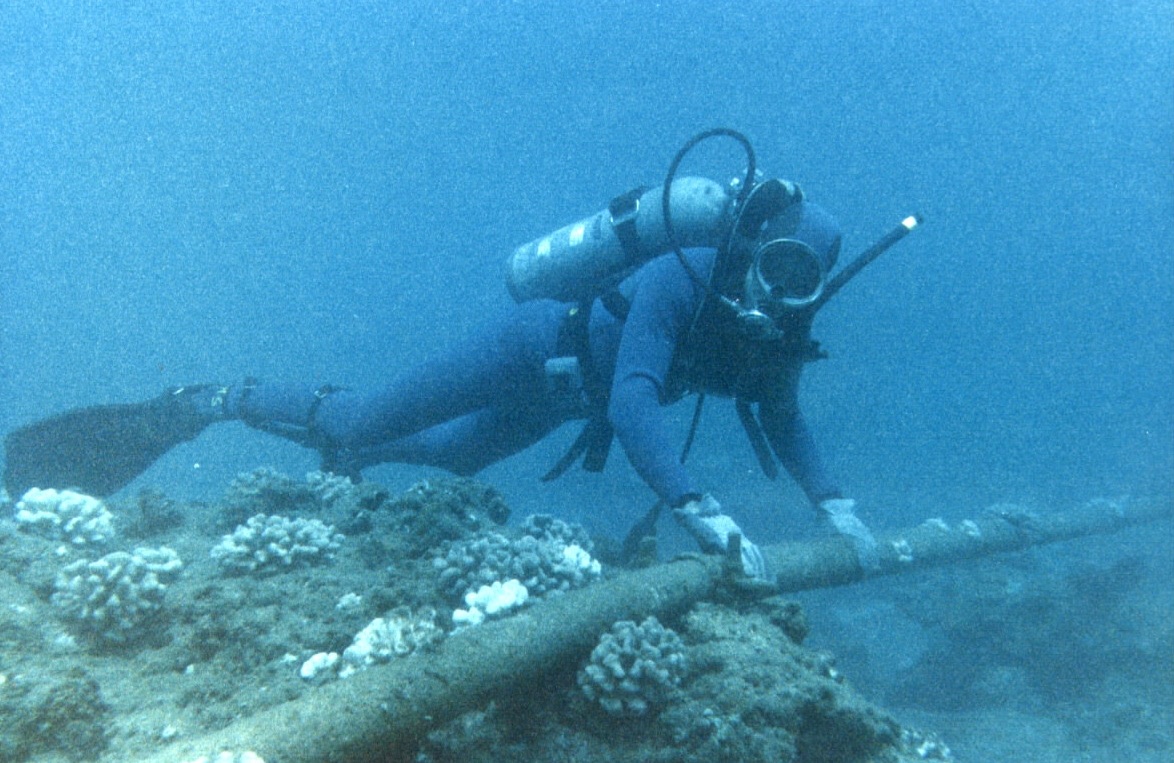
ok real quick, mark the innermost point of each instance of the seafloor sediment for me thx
(231, 635)
(231, 639)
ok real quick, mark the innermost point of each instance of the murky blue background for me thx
(324, 191)
(327, 190)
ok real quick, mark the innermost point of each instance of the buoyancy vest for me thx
(716, 357)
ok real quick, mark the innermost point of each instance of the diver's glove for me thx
(840, 514)
(702, 517)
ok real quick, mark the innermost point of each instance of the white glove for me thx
(704, 520)
(841, 515)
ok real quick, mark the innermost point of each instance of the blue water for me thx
(325, 190)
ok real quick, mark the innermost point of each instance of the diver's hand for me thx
(840, 514)
(704, 520)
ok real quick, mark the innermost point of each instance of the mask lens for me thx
(789, 272)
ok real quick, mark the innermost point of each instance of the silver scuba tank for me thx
(585, 258)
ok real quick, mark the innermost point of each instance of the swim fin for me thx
(99, 449)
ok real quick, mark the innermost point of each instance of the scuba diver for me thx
(693, 287)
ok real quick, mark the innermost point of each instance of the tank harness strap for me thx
(616, 304)
(623, 210)
(592, 444)
(335, 460)
(757, 437)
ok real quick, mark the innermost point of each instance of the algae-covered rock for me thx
(267, 491)
(1039, 629)
(756, 694)
(151, 513)
(751, 692)
(45, 713)
(434, 511)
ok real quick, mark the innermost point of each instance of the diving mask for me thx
(784, 274)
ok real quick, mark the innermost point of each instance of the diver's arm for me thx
(661, 312)
(795, 447)
(793, 443)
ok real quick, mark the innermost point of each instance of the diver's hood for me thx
(793, 253)
(810, 224)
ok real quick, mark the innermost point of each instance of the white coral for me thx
(113, 596)
(228, 756)
(330, 488)
(633, 668)
(492, 600)
(400, 632)
(55, 514)
(269, 542)
(551, 557)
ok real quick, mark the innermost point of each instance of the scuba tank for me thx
(585, 258)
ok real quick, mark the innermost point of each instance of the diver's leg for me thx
(501, 366)
(463, 446)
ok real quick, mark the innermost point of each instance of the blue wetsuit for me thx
(487, 397)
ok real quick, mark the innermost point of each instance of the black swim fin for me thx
(100, 449)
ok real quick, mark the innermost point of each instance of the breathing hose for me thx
(666, 196)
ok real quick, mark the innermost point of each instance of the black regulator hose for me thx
(666, 194)
(862, 260)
